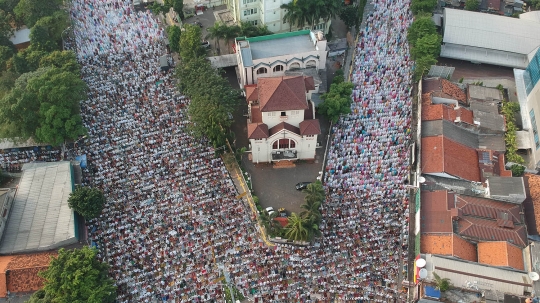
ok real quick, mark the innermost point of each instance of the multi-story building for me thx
(528, 92)
(268, 12)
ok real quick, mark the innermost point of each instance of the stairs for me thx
(284, 164)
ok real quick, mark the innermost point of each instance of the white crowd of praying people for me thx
(171, 220)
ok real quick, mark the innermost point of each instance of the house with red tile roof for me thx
(281, 119)
(466, 227)
(23, 270)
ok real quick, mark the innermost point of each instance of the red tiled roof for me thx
(284, 125)
(310, 127)
(435, 212)
(453, 90)
(448, 244)
(500, 253)
(252, 93)
(488, 230)
(256, 115)
(23, 271)
(533, 185)
(310, 83)
(432, 112)
(487, 208)
(465, 115)
(442, 155)
(282, 93)
(257, 131)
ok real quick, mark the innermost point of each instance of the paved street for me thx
(276, 187)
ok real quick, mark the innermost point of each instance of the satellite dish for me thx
(421, 179)
(534, 276)
(422, 273)
(420, 263)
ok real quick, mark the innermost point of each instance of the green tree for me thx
(27, 60)
(442, 284)
(472, 5)
(428, 45)
(76, 276)
(46, 34)
(30, 11)
(348, 15)
(44, 105)
(292, 14)
(423, 6)
(87, 201)
(190, 43)
(332, 9)
(421, 26)
(174, 33)
(215, 32)
(229, 33)
(64, 60)
(273, 227)
(296, 228)
(535, 4)
(178, 6)
(337, 101)
(517, 170)
(5, 54)
(423, 64)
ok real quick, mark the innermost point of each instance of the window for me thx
(278, 68)
(272, 114)
(295, 65)
(284, 114)
(311, 63)
(262, 70)
(254, 22)
(251, 11)
(248, 1)
(535, 129)
(295, 112)
(309, 136)
(283, 144)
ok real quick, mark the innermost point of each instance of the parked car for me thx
(197, 23)
(302, 185)
(205, 44)
(269, 209)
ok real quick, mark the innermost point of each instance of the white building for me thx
(491, 39)
(272, 55)
(268, 12)
(281, 124)
(528, 93)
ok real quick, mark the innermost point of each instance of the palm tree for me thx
(215, 32)
(313, 229)
(440, 283)
(331, 10)
(273, 227)
(311, 211)
(291, 13)
(296, 228)
(315, 191)
(230, 32)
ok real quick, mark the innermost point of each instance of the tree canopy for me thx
(300, 13)
(422, 26)
(348, 15)
(76, 276)
(212, 98)
(44, 105)
(174, 32)
(472, 5)
(87, 201)
(30, 11)
(337, 101)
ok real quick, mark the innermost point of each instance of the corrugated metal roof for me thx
(490, 31)
(512, 189)
(483, 55)
(486, 277)
(40, 218)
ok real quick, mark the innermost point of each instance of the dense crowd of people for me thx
(172, 225)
